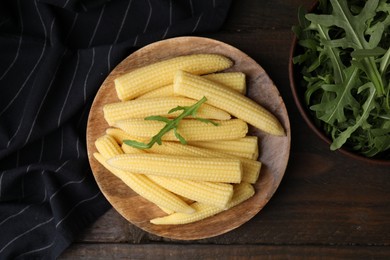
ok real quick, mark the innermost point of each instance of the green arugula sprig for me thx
(171, 124)
(345, 66)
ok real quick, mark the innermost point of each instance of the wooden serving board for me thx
(274, 151)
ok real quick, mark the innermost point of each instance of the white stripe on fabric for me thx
(17, 130)
(66, 3)
(117, 35)
(72, 27)
(213, 3)
(83, 114)
(170, 20)
(66, 184)
(27, 170)
(37, 249)
(150, 15)
(166, 32)
(197, 23)
(25, 208)
(87, 76)
(69, 89)
(51, 31)
(77, 147)
(97, 25)
(42, 146)
(31, 72)
(62, 142)
(135, 40)
(85, 9)
(19, 44)
(170, 12)
(26, 232)
(16, 214)
(62, 166)
(75, 206)
(192, 8)
(1, 180)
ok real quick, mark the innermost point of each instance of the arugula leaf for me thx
(334, 109)
(385, 62)
(345, 70)
(360, 119)
(355, 28)
(171, 124)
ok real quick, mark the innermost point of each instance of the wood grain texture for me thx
(327, 205)
(158, 251)
(274, 151)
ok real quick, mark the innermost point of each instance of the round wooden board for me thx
(274, 151)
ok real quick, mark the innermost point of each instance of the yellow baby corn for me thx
(250, 168)
(165, 91)
(234, 80)
(149, 190)
(120, 135)
(236, 104)
(246, 147)
(107, 146)
(210, 193)
(190, 129)
(129, 149)
(141, 108)
(242, 192)
(182, 167)
(147, 78)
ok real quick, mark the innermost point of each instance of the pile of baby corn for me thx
(217, 167)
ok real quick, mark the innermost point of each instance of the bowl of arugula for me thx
(340, 75)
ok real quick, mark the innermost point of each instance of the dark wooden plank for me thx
(159, 251)
(249, 15)
(111, 227)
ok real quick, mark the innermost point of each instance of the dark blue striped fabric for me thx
(54, 54)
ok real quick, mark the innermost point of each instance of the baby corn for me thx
(141, 108)
(250, 168)
(234, 80)
(242, 192)
(146, 188)
(120, 135)
(190, 129)
(107, 147)
(227, 170)
(147, 78)
(210, 193)
(238, 105)
(246, 147)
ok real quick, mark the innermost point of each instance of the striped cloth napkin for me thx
(54, 55)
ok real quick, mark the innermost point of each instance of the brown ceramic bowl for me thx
(298, 95)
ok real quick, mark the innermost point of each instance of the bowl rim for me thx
(308, 118)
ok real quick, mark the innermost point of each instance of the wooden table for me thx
(327, 205)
